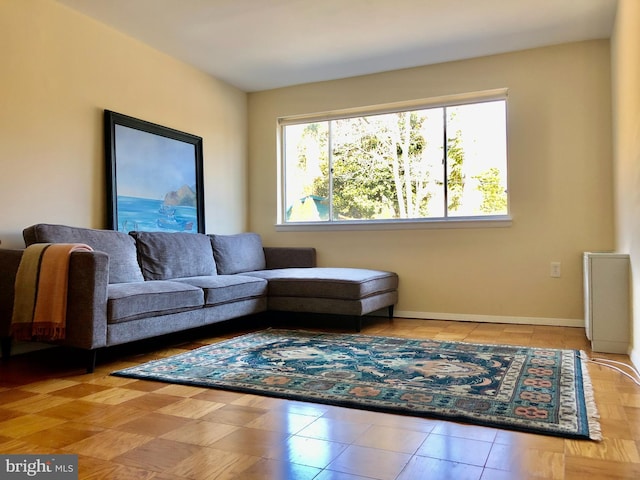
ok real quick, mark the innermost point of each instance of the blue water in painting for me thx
(149, 215)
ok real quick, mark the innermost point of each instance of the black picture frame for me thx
(154, 176)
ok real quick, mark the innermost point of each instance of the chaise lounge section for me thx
(145, 284)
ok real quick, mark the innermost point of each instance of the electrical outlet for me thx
(555, 269)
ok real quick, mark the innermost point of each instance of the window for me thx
(430, 161)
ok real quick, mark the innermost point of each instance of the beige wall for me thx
(626, 140)
(58, 71)
(560, 174)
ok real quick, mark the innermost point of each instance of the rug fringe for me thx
(595, 433)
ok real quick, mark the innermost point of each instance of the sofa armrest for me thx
(87, 300)
(86, 297)
(9, 262)
(289, 257)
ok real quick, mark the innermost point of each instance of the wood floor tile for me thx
(630, 399)
(268, 403)
(74, 410)
(526, 462)
(219, 396)
(312, 452)
(614, 449)
(275, 469)
(200, 433)
(370, 462)
(108, 444)
(57, 438)
(158, 455)
(110, 416)
(96, 469)
(17, 446)
(210, 464)
(334, 475)
(392, 439)
(79, 390)
(633, 416)
(455, 449)
(11, 396)
(113, 396)
(281, 421)
(180, 390)
(435, 469)
(234, 414)
(110, 381)
(144, 385)
(334, 430)
(595, 469)
(303, 408)
(416, 424)
(25, 425)
(254, 442)
(190, 408)
(52, 385)
(542, 464)
(491, 474)
(155, 424)
(461, 430)
(6, 414)
(37, 403)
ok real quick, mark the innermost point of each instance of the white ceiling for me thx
(263, 44)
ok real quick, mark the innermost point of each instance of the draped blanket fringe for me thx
(40, 305)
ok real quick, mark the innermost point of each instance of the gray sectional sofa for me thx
(144, 284)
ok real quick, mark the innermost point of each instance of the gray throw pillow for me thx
(165, 255)
(121, 248)
(238, 253)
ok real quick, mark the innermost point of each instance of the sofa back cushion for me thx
(121, 248)
(167, 255)
(238, 253)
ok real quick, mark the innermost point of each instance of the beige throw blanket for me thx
(40, 305)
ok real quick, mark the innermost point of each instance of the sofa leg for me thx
(5, 343)
(91, 360)
(391, 312)
(358, 323)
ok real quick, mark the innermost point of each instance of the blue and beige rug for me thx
(545, 391)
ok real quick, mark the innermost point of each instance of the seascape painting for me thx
(156, 180)
(149, 215)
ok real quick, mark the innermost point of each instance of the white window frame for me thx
(482, 221)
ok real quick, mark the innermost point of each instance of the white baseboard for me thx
(466, 317)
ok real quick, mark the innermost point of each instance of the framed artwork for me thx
(154, 177)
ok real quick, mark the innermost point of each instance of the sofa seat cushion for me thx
(121, 248)
(319, 282)
(130, 301)
(167, 255)
(220, 289)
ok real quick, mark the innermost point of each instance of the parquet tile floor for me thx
(132, 429)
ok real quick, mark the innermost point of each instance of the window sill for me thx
(497, 221)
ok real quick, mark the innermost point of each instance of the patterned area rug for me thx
(545, 391)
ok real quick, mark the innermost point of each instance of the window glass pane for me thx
(388, 166)
(431, 163)
(306, 172)
(363, 156)
(477, 159)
